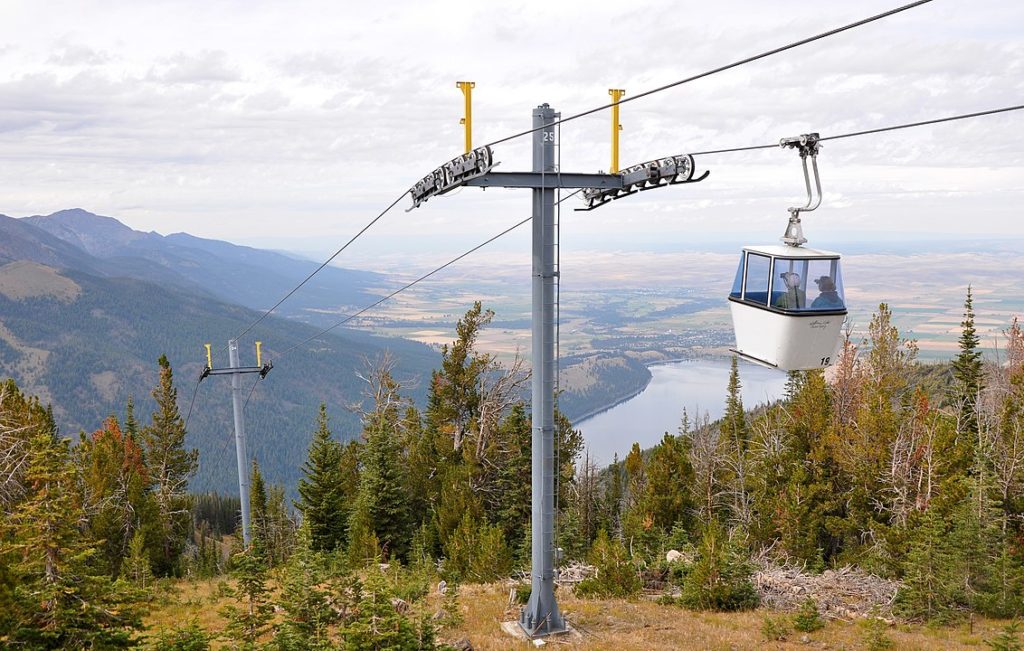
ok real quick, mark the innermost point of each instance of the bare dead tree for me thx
(500, 388)
(846, 386)
(707, 457)
(381, 390)
(14, 458)
(909, 478)
(1014, 348)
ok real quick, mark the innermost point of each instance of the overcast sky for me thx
(292, 124)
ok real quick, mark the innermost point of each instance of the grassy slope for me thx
(610, 624)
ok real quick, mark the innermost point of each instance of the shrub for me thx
(807, 619)
(774, 629)
(874, 635)
(187, 637)
(1007, 640)
(616, 576)
(720, 577)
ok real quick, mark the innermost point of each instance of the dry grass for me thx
(182, 602)
(644, 625)
(24, 279)
(611, 624)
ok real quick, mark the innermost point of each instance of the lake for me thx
(699, 386)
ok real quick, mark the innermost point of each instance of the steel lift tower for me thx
(541, 617)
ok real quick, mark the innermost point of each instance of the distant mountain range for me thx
(250, 277)
(87, 305)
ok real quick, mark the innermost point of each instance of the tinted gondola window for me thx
(758, 269)
(825, 288)
(737, 284)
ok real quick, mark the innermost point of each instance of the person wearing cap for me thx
(829, 297)
(793, 298)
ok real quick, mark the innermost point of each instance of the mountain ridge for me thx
(84, 334)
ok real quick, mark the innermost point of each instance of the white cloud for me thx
(304, 120)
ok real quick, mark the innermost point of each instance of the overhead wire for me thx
(699, 153)
(576, 116)
(729, 66)
(414, 282)
(866, 132)
(192, 402)
(325, 263)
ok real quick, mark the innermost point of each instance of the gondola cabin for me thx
(788, 307)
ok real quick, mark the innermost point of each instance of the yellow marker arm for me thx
(259, 361)
(616, 94)
(467, 91)
(209, 356)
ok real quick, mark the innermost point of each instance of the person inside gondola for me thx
(828, 298)
(793, 298)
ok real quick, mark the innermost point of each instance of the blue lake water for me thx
(699, 386)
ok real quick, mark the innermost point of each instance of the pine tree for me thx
(258, 511)
(363, 543)
(323, 496)
(114, 485)
(170, 468)
(968, 375)
(131, 426)
(136, 566)
(616, 575)
(61, 601)
(510, 497)
(454, 398)
(377, 625)
(736, 436)
(931, 585)
(307, 610)
(720, 577)
(250, 619)
(669, 478)
(612, 516)
(383, 494)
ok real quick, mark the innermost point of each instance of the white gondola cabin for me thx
(787, 306)
(787, 301)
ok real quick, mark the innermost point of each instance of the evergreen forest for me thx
(913, 474)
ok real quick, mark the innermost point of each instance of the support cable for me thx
(505, 232)
(257, 381)
(576, 116)
(866, 132)
(415, 282)
(325, 263)
(192, 402)
(729, 66)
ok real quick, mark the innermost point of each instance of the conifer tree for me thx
(324, 499)
(131, 425)
(249, 619)
(258, 509)
(720, 577)
(931, 585)
(968, 376)
(136, 566)
(612, 516)
(170, 468)
(61, 601)
(736, 436)
(363, 543)
(510, 497)
(383, 495)
(114, 486)
(616, 576)
(669, 479)
(454, 398)
(377, 624)
(307, 611)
